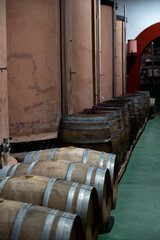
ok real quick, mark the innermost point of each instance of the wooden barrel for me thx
(69, 171)
(119, 118)
(85, 130)
(115, 122)
(21, 220)
(146, 95)
(125, 116)
(152, 106)
(50, 192)
(142, 106)
(120, 126)
(131, 115)
(136, 108)
(85, 156)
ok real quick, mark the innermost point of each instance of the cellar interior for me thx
(79, 119)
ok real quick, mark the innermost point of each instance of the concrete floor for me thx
(137, 216)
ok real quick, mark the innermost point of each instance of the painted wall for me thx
(141, 14)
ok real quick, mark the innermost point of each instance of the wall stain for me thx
(39, 90)
(33, 106)
(24, 56)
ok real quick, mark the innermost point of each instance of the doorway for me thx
(150, 70)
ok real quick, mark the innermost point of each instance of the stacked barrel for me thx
(75, 186)
(69, 192)
(110, 126)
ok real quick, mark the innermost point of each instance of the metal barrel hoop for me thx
(37, 155)
(14, 169)
(71, 194)
(28, 157)
(52, 153)
(85, 156)
(4, 171)
(3, 182)
(64, 226)
(82, 200)
(48, 224)
(101, 159)
(99, 183)
(30, 169)
(48, 191)
(89, 174)
(70, 170)
(19, 221)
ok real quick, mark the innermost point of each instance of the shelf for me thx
(132, 54)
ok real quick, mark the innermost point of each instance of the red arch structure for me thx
(143, 39)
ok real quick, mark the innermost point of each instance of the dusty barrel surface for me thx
(85, 130)
(75, 172)
(62, 195)
(26, 221)
(85, 156)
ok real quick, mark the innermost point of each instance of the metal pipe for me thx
(125, 53)
(114, 49)
(98, 51)
(152, 44)
(64, 57)
(94, 52)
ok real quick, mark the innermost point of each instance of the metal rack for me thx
(150, 64)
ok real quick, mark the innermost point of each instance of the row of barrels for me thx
(81, 192)
(69, 192)
(110, 126)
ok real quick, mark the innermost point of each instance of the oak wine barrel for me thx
(53, 193)
(85, 130)
(146, 95)
(85, 156)
(21, 220)
(125, 116)
(116, 130)
(75, 172)
(152, 106)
